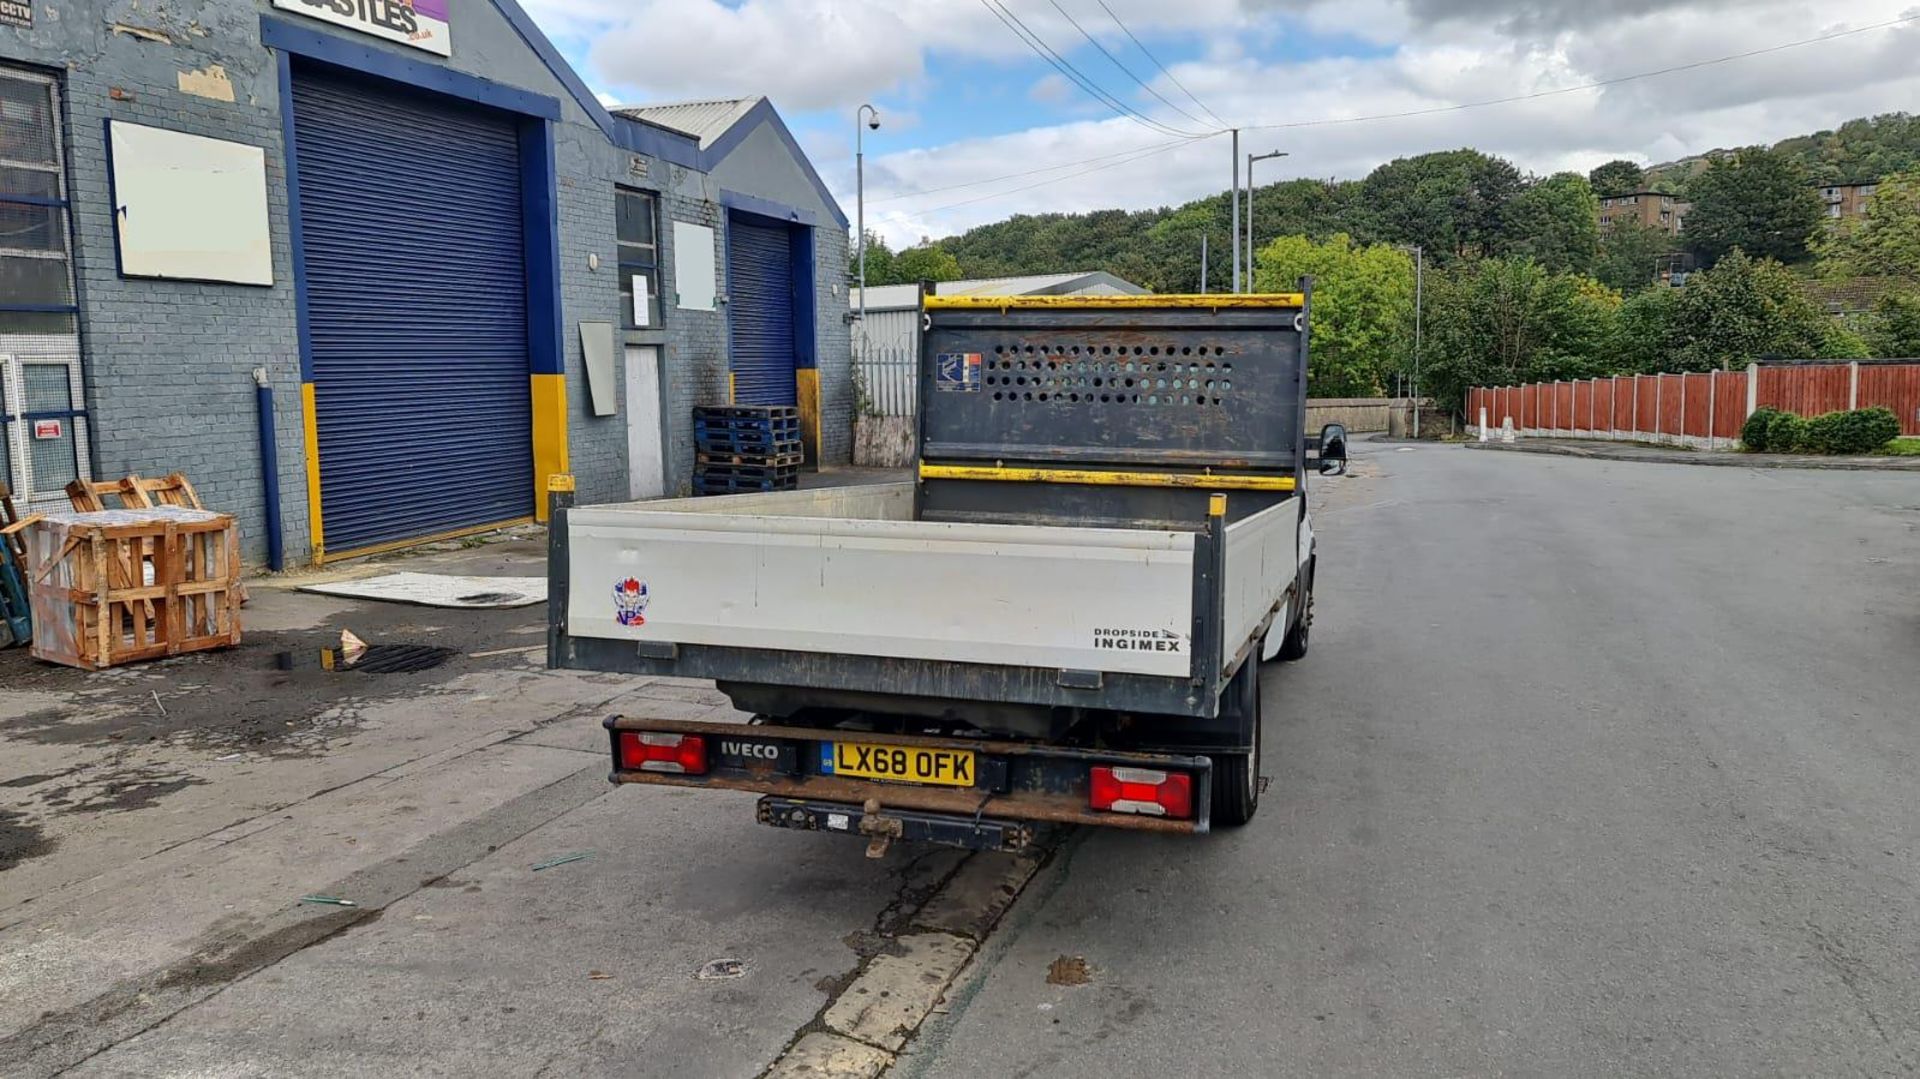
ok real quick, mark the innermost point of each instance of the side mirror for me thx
(1333, 450)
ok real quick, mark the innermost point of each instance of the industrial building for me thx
(453, 270)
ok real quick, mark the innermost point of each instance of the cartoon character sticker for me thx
(630, 602)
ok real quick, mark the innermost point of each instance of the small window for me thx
(639, 251)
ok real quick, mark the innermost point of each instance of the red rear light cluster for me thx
(681, 754)
(1142, 790)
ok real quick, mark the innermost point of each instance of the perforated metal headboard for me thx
(1189, 384)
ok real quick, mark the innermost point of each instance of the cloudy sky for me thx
(964, 99)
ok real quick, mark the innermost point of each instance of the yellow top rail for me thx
(1191, 300)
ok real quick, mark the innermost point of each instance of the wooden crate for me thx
(119, 586)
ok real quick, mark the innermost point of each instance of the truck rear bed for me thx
(841, 573)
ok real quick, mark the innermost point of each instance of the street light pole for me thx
(1251, 158)
(1419, 278)
(1235, 232)
(860, 203)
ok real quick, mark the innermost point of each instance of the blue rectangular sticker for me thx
(957, 372)
(826, 758)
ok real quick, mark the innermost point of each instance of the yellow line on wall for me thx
(310, 428)
(1228, 482)
(549, 435)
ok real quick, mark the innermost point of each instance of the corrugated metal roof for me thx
(886, 297)
(1082, 283)
(704, 120)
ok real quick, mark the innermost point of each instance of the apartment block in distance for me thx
(1654, 209)
(1846, 200)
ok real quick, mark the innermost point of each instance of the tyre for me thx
(1294, 644)
(1236, 776)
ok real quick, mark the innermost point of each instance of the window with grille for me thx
(638, 232)
(43, 418)
(36, 277)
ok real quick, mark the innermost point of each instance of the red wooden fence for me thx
(1705, 408)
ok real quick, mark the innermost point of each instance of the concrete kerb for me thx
(1613, 451)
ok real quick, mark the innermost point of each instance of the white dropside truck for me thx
(1059, 619)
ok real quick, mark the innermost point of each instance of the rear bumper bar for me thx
(1017, 784)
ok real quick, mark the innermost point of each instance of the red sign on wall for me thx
(44, 429)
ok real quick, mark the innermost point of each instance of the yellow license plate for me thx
(904, 764)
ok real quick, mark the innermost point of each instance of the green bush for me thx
(1877, 427)
(1753, 434)
(1862, 430)
(1786, 433)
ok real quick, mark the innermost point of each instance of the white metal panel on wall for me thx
(1002, 594)
(694, 284)
(189, 207)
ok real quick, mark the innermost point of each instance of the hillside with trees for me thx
(1521, 285)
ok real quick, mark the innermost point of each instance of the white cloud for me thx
(1052, 89)
(1755, 100)
(826, 54)
(832, 55)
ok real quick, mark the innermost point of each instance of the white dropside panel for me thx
(1262, 560)
(1076, 598)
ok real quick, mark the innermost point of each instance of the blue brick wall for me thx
(169, 364)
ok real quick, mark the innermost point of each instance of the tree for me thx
(1362, 308)
(1744, 309)
(1640, 331)
(880, 270)
(1628, 252)
(1617, 177)
(1893, 331)
(1450, 203)
(1886, 241)
(1553, 222)
(1494, 322)
(928, 262)
(1756, 200)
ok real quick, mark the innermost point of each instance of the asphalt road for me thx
(1594, 769)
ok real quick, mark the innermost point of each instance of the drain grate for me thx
(402, 658)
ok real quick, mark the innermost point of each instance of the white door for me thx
(646, 464)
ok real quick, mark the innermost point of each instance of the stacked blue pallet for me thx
(740, 448)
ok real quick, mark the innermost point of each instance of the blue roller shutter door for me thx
(760, 309)
(415, 271)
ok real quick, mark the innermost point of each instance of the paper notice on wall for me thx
(642, 301)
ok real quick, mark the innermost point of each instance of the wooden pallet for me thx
(133, 492)
(746, 412)
(759, 460)
(93, 605)
(750, 472)
(722, 441)
(729, 485)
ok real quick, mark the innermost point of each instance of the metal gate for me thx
(415, 276)
(43, 419)
(760, 313)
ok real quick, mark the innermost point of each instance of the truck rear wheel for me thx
(1236, 776)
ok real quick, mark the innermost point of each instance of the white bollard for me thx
(1506, 430)
(1483, 425)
